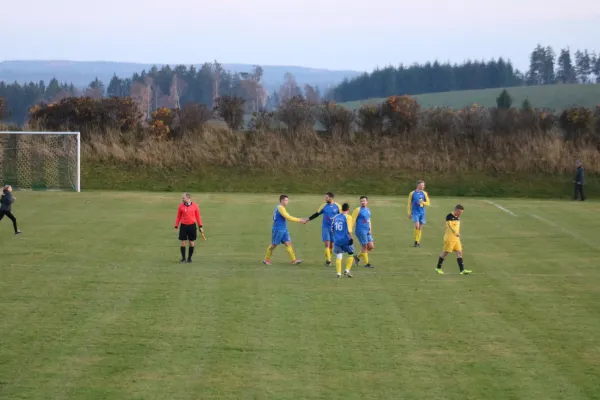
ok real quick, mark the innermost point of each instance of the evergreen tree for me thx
(565, 72)
(548, 77)
(583, 65)
(596, 67)
(115, 87)
(95, 89)
(3, 108)
(537, 65)
(504, 101)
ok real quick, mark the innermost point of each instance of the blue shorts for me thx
(364, 238)
(280, 236)
(343, 249)
(419, 217)
(326, 234)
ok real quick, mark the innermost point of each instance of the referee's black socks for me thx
(461, 266)
(182, 248)
(191, 251)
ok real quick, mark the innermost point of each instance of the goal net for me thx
(40, 160)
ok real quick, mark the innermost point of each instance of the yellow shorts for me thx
(452, 246)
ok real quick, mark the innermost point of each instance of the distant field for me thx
(94, 305)
(555, 97)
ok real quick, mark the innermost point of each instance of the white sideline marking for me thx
(502, 208)
(568, 232)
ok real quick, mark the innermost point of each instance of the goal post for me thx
(40, 160)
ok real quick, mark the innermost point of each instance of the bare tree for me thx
(177, 89)
(217, 71)
(311, 95)
(289, 89)
(141, 93)
(254, 92)
(147, 101)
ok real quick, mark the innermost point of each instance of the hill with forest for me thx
(553, 80)
(445, 84)
(81, 73)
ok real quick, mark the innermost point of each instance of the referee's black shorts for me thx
(188, 232)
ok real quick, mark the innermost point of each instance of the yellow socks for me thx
(328, 254)
(365, 257)
(418, 235)
(269, 253)
(338, 265)
(290, 251)
(349, 262)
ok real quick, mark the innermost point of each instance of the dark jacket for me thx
(6, 201)
(579, 175)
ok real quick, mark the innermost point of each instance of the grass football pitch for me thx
(93, 304)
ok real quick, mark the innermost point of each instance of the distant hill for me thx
(81, 73)
(556, 97)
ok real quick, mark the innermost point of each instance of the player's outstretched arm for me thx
(319, 212)
(288, 217)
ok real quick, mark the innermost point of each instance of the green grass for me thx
(556, 97)
(388, 183)
(94, 306)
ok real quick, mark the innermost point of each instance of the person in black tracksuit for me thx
(578, 181)
(6, 206)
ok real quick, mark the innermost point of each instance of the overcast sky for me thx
(334, 34)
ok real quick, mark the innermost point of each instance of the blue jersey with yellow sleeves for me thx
(328, 210)
(362, 218)
(280, 218)
(342, 229)
(417, 200)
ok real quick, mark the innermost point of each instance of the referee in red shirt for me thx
(188, 215)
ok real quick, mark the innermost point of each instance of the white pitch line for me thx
(568, 232)
(502, 208)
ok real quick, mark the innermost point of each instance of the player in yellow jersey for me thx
(452, 241)
(279, 232)
(418, 199)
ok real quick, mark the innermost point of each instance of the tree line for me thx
(169, 87)
(545, 68)
(166, 87)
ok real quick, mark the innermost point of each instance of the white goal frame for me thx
(78, 138)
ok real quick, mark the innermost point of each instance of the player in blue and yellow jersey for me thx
(279, 233)
(452, 241)
(329, 209)
(341, 228)
(417, 200)
(362, 229)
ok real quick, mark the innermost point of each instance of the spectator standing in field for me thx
(188, 215)
(6, 206)
(578, 181)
